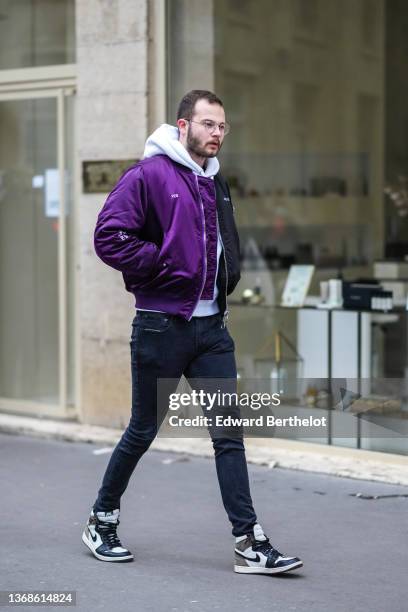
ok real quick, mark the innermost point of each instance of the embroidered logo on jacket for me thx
(174, 195)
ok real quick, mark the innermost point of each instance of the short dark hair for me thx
(188, 102)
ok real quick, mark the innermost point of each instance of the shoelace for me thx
(108, 533)
(266, 548)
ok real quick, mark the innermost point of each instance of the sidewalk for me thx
(354, 549)
(305, 456)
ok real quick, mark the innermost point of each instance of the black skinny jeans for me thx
(168, 346)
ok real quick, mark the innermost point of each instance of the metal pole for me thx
(62, 264)
(330, 375)
(359, 373)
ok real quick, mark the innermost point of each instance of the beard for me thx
(196, 146)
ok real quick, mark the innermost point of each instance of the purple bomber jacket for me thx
(158, 227)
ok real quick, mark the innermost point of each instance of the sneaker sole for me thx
(101, 557)
(242, 569)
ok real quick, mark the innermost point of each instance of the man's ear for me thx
(182, 126)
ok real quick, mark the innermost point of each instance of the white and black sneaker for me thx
(255, 555)
(101, 538)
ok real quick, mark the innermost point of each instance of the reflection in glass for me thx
(315, 94)
(29, 250)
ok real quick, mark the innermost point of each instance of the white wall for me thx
(112, 47)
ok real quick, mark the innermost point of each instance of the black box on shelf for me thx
(358, 295)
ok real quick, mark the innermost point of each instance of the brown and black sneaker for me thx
(254, 554)
(101, 538)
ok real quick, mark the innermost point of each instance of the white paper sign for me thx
(51, 192)
(297, 285)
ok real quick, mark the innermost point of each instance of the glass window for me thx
(304, 90)
(36, 33)
(315, 94)
(29, 240)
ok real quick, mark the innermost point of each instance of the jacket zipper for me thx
(204, 244)
(225, 315)
(226, 311)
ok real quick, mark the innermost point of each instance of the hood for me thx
(165, 141)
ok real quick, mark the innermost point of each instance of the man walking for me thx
(168, 226)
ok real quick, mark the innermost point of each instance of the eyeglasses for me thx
(211, 126)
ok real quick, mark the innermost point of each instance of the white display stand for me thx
(297, 286)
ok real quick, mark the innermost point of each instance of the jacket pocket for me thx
(153, 322)
(133, 282)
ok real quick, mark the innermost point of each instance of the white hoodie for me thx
(165, 141)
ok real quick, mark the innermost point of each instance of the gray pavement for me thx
(355, 551)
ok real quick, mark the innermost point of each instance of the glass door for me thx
(36, 252)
